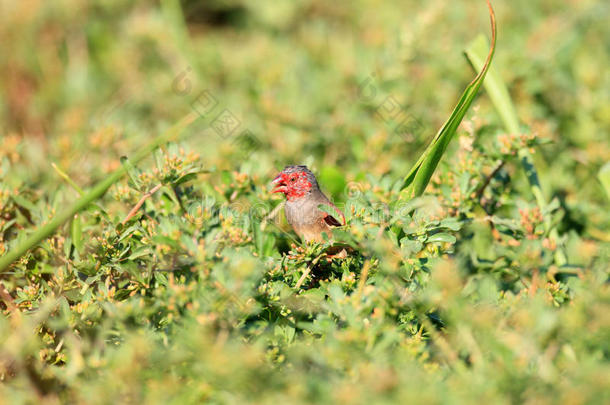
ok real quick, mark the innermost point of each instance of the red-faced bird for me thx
(303, 196)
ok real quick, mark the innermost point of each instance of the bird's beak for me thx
(279, 185)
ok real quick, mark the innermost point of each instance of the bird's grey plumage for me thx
(306, 218)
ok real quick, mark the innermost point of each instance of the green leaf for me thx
(76, 233)
(23, 203)
(159, 161)
(416, 181)
(226, 177)
(604, 177)
(132, 172)
(442, 237)
(411, 247)
(268, 245)
(185, 178)
(497, 91)
(161, 239)
(139, 252)
(451, 223)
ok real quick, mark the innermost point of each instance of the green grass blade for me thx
(418, 178)
(97, 191)
(498, 93)
(496, 90)
(76, 232)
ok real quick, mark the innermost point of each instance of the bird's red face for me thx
(293, 184)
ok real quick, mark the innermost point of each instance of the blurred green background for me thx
(83, 83)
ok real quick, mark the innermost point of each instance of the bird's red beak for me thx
(279, 184)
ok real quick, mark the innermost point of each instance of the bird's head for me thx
(295, 182)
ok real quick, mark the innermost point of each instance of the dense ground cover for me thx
(474, 292)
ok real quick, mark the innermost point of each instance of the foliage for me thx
(203, 294)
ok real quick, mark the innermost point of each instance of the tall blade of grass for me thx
(97, 191)
(418, 178)
(498, 93)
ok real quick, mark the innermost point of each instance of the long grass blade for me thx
(97, 191)
(498, 93)
(418, 178)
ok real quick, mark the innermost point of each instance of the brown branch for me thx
(310, 266)
(303, 277)
(488, 179)
(135, 209)
(8, 300)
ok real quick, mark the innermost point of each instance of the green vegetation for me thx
(162, 270)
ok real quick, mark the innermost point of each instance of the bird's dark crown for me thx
(296, 168)
(301, 169)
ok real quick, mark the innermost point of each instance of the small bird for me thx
(303, 196)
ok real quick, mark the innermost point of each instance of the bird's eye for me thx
(293, 179)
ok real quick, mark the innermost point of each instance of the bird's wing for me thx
(331, 220)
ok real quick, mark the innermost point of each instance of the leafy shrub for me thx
(203, 294)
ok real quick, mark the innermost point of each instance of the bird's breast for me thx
(306, 219)
(302, 212)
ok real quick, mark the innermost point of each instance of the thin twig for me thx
(135, 209)
(287, 234)
(488, 179)
(308, 270)
(271, 214)
(303, 277)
